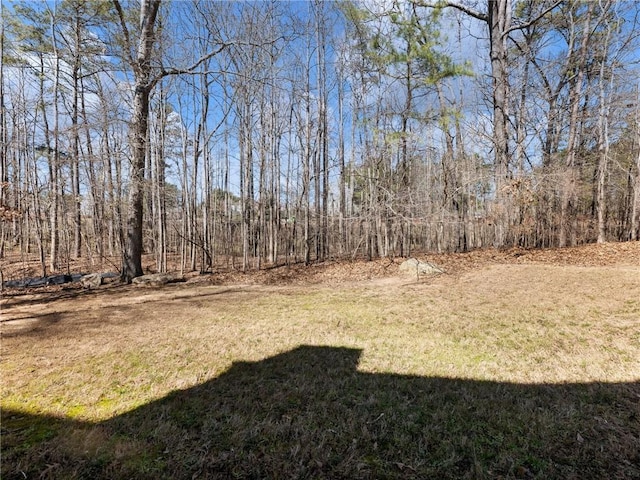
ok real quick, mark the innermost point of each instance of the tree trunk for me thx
(634, 233)
(603, 141)
(499, 20)
(75, 132)
(132, 255)
(132, 252)
(4, 137)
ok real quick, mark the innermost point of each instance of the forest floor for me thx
(511, 364)
(337, 272)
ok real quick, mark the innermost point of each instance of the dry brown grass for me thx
(506, 367)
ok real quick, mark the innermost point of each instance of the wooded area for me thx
(261, 133)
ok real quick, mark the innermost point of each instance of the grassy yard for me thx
(505, 371)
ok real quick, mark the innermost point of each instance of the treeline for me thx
(259, 133)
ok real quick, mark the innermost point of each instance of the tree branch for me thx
(191, 69)
(125, 30)
(458, 6)
(188, 70)
(147, 30)
(522, 26)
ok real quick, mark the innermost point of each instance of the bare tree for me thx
(139, 55)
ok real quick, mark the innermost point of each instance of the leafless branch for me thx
(527, 24)
(458, 6)
(125, 30)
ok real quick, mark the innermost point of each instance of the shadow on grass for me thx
(42, 296)
(50, 324)
(309, 413)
